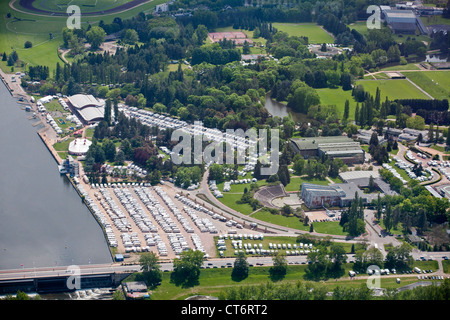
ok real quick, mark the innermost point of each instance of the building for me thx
(404, 21)
(136, 290)
(70, 166)
(342, 194)
(164, 7)
(88, 108)
(341, 147)
(317, 196)
(79, 147)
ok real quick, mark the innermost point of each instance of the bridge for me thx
(63, 279)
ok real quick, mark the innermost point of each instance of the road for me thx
(246, 220)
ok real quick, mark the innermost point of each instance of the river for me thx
(43, 222)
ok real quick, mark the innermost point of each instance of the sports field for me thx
(85, 5)
(23, 25)
(314, 32)
(436, 83)
(393, 89)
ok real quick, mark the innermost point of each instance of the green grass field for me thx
(230, 200)
(393, 89)
(296, 182)
(436, 83)
(213, 281)
(338, 97)
(313, 31)
(360, 26)
(22, 26)
(289, 222)
(409, 66)
(85, 5)
(329, 227)
(446, 266)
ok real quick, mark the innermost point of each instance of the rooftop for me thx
(400, 14)
(313, 142)
(80, 101)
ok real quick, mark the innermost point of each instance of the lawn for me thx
(338, 97)
(329, 227)
(393, 89)
(85, 5)
(394, 231)
(22, 26)
(288, 222)
(409, 66)
(360, 26)
(213, 280)
(436, 83)
(63, 145)
(230, 200)
(296, 183)
(446, 266)
(313, 31)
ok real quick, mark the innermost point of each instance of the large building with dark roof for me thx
(404, 21)
(341, 147)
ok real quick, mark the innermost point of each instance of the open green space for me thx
(22, 26)
(63, 145)
(360, 26)
(446, 266)
(85, 5)
(214, 280)
(296, 182)
(409, 66)
(289, 222)
(313, 31)
(436, 83)
(338, 97)
(230, 200)
(393, 89)
(395, 231)
(329, 227)
(432, 20)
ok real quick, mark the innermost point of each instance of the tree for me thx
(95, 37)
(279, 268)
(187, 268)
(346, 109)
(246, 48)
(150, 268)
(241, 267)
(337, 255)
(130, 36)
(28, 44)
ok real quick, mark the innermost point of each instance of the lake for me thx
(278, 109)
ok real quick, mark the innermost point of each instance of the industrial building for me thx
(404, 21)
(341, 147)
(89, 108)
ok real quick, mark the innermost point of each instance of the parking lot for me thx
(139, 218)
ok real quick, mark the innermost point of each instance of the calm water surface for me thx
(42, 219)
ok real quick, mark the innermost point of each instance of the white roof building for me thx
(88, 107)
(79, 147)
